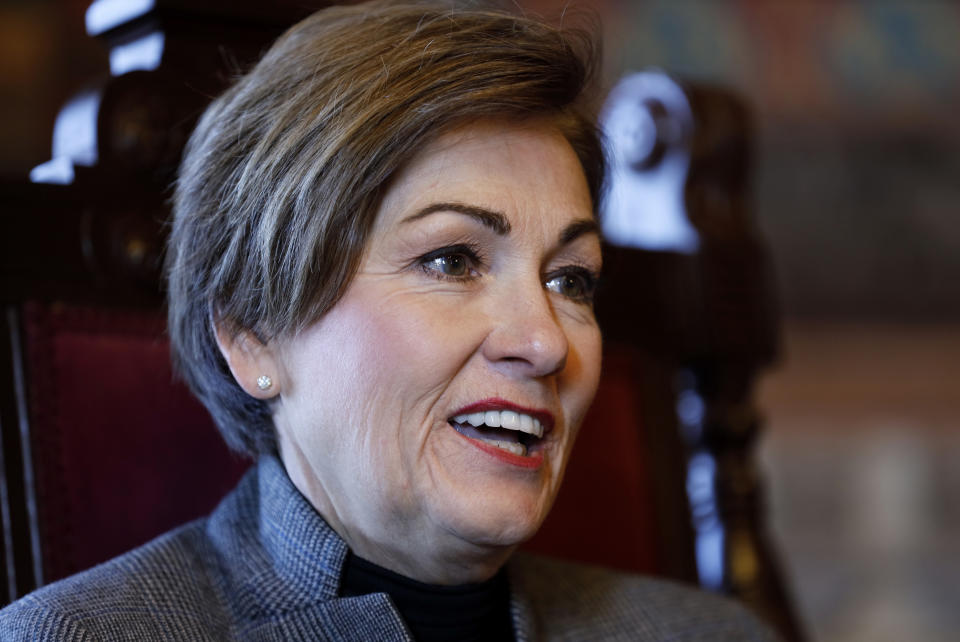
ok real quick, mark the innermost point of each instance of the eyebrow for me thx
(494, 220)
(499, 223)
(577, 229)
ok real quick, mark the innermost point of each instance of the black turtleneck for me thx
(437, 613)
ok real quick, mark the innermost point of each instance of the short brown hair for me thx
(282, 178)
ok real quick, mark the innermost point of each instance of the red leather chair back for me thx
(120, 452)
(605, 512)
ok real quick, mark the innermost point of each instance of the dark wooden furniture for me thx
(102, 449)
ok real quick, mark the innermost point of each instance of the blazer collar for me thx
(304, 549)
(276, 553)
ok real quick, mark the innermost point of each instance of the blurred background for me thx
(857, 193)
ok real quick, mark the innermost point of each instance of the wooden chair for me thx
(102, 449)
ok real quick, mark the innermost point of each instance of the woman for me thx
(381, 271)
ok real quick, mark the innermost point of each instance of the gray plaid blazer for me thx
(265, 566)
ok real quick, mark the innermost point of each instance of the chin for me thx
(490, 521)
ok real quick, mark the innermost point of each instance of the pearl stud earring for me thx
(264, 382)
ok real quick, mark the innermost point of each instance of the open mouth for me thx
(514, 432)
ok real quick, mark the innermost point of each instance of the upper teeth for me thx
(503, 419)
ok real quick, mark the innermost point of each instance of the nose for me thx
(526, 338)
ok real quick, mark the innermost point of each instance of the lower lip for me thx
(530, 462)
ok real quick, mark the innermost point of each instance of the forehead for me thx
(526, 171)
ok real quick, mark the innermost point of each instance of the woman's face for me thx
(472, 304)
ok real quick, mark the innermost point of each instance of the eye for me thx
(575, 283)
(448, 264)
(459, 262)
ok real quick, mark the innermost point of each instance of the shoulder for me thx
(162, 590)
(574, 601)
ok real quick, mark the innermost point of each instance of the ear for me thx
(249, 360)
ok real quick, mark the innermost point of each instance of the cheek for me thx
(419, 345)
(385, 358)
